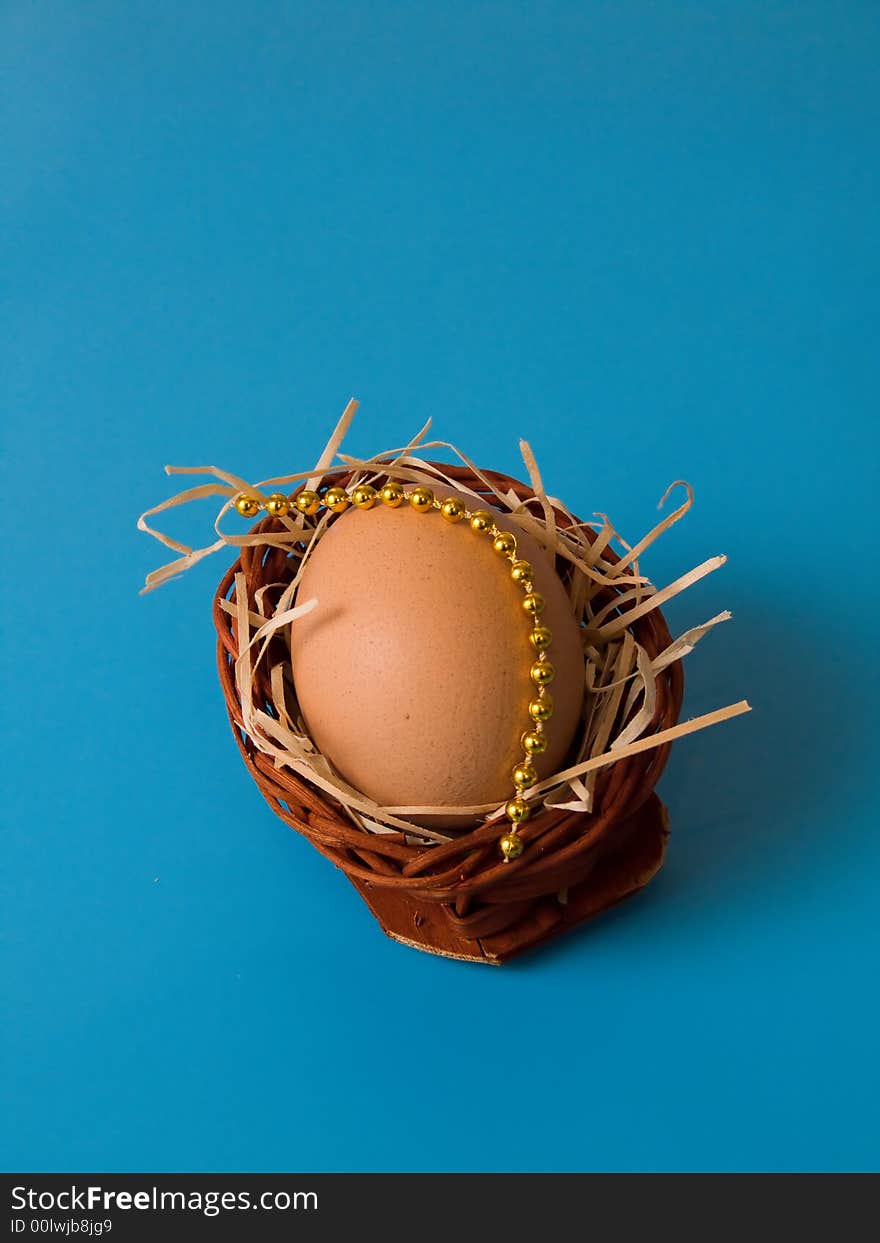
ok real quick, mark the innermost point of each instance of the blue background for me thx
(643, 235)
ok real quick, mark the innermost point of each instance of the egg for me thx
(412, 671)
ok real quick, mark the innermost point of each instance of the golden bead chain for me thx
(481, 522)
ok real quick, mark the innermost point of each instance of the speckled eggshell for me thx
(412, 673)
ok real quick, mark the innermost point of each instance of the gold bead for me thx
(541, 709)
(534, 603)
(533, 742)
(505, 544)
(541, 638)
(392, 494)
(512, 845)
(364, 496)
(422, 500)
(524, 775)
(452, 509)
(336, 500)
(482, 521)
(247, 506)
(277, 505)
(517, 810)
(542, 673)
(308, 502)
(521, 572)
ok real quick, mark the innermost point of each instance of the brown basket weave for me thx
(458, 898)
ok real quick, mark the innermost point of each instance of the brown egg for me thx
(412, 673)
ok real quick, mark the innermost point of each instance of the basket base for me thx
(616, 876)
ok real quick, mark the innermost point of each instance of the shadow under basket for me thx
(458, 898)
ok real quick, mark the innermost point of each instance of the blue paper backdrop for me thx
(644, 236)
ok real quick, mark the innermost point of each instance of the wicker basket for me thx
(459, 899)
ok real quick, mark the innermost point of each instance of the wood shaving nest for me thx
(620, 677)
